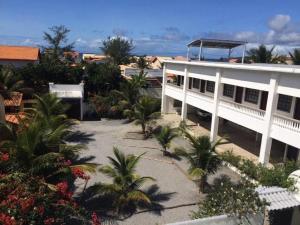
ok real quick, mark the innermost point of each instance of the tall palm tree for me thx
(144, 111)
(295, 56)
(202, 157)
(165, 136)
(263, 55)
(125, 188)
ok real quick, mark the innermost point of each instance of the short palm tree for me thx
(126, 186)
(144, 111)
(165, 136)
(295, 56)
(263, 55)
(202, 157)
(142, 63)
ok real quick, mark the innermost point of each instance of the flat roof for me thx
(216, 43)
(282, 68)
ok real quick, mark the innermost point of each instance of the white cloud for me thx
(279, 22)
(80, 41)
(246, 35)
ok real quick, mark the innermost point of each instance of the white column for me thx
(163, 96)
(266, 140)
(214, 116)
(185, 85)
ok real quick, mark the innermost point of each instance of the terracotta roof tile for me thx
(19, 53)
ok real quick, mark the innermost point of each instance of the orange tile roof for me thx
(14, 100)
(14, 118)
(19, 53)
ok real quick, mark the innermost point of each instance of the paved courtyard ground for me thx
(170, 174)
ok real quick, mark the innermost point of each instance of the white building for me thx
(72, 94)
(260, 97)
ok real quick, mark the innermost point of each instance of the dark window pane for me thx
(251, 95)
(228, 90)
(196, 83)
(190, 83)
(284, 103)
(210, 86)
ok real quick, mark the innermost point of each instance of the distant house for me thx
(72, 56)
(94, 58)
(18, 56)
(157, 61)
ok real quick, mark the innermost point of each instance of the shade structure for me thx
(216, 43)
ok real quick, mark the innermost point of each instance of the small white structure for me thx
(69, 91)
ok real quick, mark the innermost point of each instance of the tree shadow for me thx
(103, 203)
(80, 137)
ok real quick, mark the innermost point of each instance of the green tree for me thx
(165, 136)
(57, 41)
(202, 157)
(233, 199)
(263, 55)
(144, 111)
(295, 55)
(125, 188)
(118, 49)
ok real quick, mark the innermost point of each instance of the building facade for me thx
(262, 98)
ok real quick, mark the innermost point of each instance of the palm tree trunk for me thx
(143, 128)
(165, 151)
(2, 109)
(202, 183)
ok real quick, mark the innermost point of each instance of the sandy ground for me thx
(170, 175)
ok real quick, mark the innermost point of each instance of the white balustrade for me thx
(258, 113)
(288, 123)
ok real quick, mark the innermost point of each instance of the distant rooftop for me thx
(216, 43)
(19, 53)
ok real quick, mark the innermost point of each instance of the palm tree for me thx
(144, 111)
(263, 55)
(39, 146)
(202, 157)
(142, 63)
(295, 56)
(126, 186)
(165, 136)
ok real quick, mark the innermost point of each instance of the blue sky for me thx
(157, 27)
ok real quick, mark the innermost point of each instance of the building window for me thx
(190, 82)
(196, 83)
(284, 103)
(251, 95)
(228, 90)
(210, 86)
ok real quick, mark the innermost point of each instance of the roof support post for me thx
(188, 54)
(200, 51)
(229, 54)
(244, 52)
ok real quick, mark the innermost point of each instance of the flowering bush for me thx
(27, 200)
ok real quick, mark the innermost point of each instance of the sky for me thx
(156, 27)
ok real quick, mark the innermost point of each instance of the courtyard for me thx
(179, 194)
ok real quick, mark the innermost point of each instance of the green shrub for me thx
(229, 157)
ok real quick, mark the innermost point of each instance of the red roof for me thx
(19, 53)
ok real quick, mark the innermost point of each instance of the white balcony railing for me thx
(258, 113)
(288, 123)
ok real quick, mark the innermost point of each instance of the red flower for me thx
(49, 221)
(77, 172)
(5, 157)
(41, 210)
(62, 187)
(6, 219)
(95, 219)
(26, 204)
(67, 163)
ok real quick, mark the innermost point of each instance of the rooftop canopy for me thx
(215, 43)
